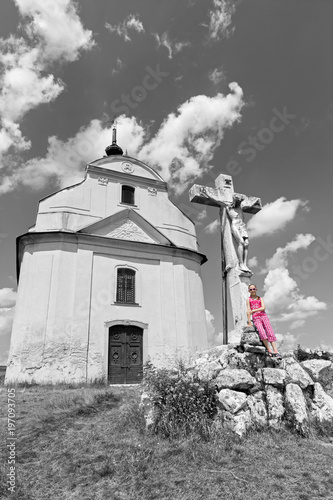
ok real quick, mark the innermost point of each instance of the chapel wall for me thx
(76, 207)
(59, 332)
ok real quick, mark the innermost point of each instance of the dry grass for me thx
(89, 443)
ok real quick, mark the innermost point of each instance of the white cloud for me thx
(22, 85)
(7, 298)
(7, 306)
(202, 215)
(274, 216)
(297, 324)
(58, 28)
(287, 341)
(210, 325)
(185, 143)
(280, 258)
(172, 47)
(11, 136)
(118, 67)
(132, 22)
(253, 262)
(279, 289)
(214, 338)
(64, 162)
(216, 76)
(302, 308)
(52, 31)
(220, 19)
(285, 303)
(181, 149)
(6, 320)
(212, 227)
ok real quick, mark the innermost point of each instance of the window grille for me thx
(127, 195)
(125, 285)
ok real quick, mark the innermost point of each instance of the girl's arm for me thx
(248, 312)
(262, 308)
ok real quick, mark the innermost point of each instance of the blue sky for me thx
(203, 87)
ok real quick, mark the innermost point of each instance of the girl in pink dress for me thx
(256, 309)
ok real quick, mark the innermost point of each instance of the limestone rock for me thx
(250, 336)
(233, 359)
(211, 354)
(275, 407)
(229, 357)
(321, 370)
(239, 423)
(233, 345)
(296, 374)
(235, 379)
(252, 362)
(232, 401)
(322, 405)
(274, 376)
(242, 422)
(209, 370)
(257, 406)
(257, 349)
(242, 360)
(235, 336)
(147, 405)
(296, 408)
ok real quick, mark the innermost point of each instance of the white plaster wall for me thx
(75, 207)
(66, 294)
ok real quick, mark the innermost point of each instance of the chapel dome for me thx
(114, 149)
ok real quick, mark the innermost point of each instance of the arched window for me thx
(125, 285)
(127, 195)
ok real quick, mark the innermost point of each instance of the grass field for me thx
(89, 443)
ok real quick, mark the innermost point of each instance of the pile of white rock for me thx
(255, 391)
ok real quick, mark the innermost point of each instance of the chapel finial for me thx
(114, 132)
(114, 149)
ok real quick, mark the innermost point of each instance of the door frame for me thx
(124, 322)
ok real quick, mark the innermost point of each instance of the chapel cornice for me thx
(96, 241)
(126, 178)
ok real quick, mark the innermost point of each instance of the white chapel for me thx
(109, 277)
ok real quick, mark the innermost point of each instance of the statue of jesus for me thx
(240, 234)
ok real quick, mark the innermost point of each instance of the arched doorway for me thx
(125, 354)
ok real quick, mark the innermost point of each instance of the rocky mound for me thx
(255, 391)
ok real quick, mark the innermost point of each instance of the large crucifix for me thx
(234, 244)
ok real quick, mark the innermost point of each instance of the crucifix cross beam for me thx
(233, 205)
(224, 195)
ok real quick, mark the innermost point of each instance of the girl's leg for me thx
(270, 335)
(266, 344)
(274, 347)
(262, 333)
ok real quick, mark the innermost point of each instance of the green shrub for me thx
(183, 403)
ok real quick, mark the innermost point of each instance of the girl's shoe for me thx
(277, 355)
(270, 354)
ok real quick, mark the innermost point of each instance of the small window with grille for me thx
(127, 195)
(125, 285)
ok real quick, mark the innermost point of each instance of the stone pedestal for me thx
(238, 287)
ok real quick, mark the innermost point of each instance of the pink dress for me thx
(261, 321)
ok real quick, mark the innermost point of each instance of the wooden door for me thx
(125, 354)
